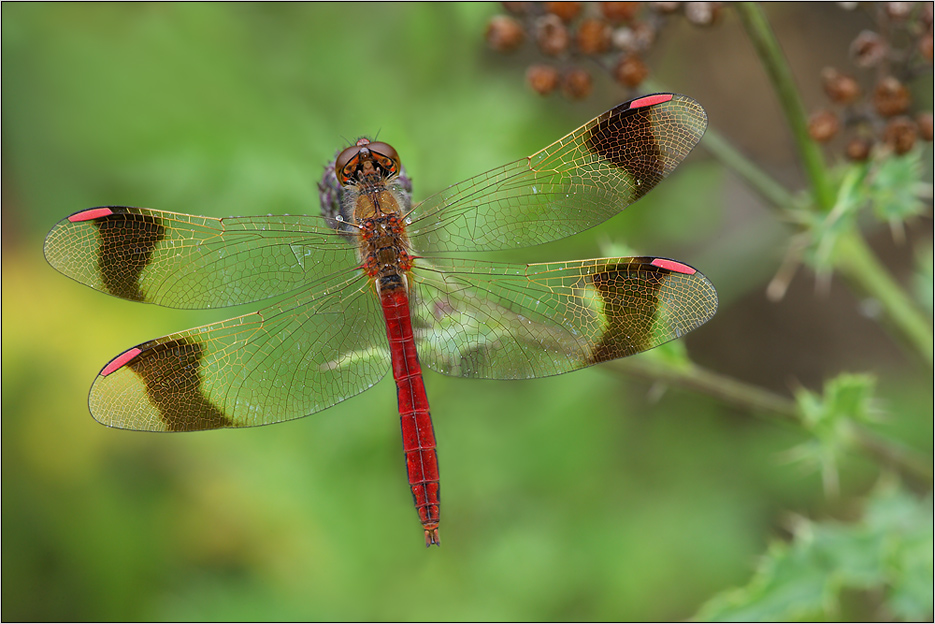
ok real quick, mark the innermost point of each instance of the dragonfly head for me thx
(366, 158)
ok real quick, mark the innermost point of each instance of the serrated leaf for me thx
(894, 188)
(889, 552)
(847, 398)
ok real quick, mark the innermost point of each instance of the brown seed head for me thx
(858, 149)
(630, 71)
(900, 134)
(593, 36)
(924, 121)
(898, 10)
(925, 47)
(644, 35)
(616, 12)
(517, 8)
(891, 97)
(868, 49)
(638, 37)
(551, 35)
(925, 15)
(665, 7)
(702, 13)
(840, 88)
(576, 84)
(542, 78)
(823, 125)
(504, 34)
(565, 11)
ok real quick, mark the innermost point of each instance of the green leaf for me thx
(825, 229)
(894, 188)
(847, 398)
(888, 552)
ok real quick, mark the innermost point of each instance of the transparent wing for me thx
(503, 321)
(283, 362)
(186, 261)
(578, 182)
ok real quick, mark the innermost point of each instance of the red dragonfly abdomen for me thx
(414, 415)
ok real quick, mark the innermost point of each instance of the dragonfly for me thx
(371, 286)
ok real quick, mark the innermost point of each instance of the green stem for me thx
(771, 190)
(855, 261)
(756, 400)
(770, 53)
(858, 265)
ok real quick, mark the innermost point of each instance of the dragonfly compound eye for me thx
(385, 156)
(345, 165)
(355, 159)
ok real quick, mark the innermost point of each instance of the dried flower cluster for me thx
(898, 51)
(615, 35)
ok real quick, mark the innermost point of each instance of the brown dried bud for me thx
(858, 149)
(542, 78)
(517, 8)
(576, 84)
(898, 10)
(504, 34)
(926, 14)
(823, 125)
(900, 134)
(840, 88)
(924, 121)
(630, 71)
(702, 13)
(625, 39)
(665, 7)
(891, 97)
(617, 12)
(551, 35)
(868, 49)
(565, 11)
(925, 47)
(644, 35)
(593, 36)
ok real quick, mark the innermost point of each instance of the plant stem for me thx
(863, 271)
(770, 53)
(855, 261)
(771, 190)
(759, 401)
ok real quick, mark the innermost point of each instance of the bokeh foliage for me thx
(586, 496)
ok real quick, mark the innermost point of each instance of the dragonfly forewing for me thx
(186, 261)
(574, 184)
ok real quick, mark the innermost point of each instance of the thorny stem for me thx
(855, 260)
(759, 401)
(865, 274)
(771, 190)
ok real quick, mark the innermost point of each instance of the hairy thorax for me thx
(378, 210)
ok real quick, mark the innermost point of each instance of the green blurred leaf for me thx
(889, 549)
(847, 398)
(824, 229)
(895, 188)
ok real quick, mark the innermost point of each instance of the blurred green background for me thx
(586, 496)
